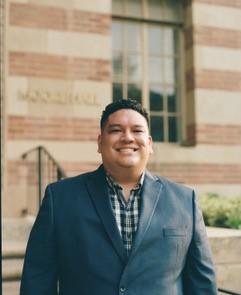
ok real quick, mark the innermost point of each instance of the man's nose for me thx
(127, 136)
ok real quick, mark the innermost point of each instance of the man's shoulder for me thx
(73, 181)
(172, 185)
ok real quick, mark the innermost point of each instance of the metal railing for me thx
(42, 169)
(225, 291)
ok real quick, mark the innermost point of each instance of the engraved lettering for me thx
(57, 97)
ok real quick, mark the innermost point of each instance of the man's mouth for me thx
(127, 149)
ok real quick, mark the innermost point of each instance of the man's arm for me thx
(199, 274)
(40, 265)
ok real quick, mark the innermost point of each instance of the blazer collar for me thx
(97, 187)
(151, 191)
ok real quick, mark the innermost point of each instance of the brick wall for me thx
(185, 173)
(228, 3)
(212, 36)
(196, 174)
(213, 89)
(58, 67)
(52, 129)
(66, 47)
(57, 18)
(61, 48)
(64, 129)
(201, 38)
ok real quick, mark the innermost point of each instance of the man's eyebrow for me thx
(120, 125)
(114, 125)
(138, 126)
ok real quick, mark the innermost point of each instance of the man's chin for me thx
(129, 164)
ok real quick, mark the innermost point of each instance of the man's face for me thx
(124, 141)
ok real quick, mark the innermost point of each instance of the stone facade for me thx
(58, 79)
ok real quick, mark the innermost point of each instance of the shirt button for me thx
(122, 289)
(129, 236)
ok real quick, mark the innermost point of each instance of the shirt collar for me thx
(113, 184)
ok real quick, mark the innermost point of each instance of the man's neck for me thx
(127, 181)
(126, 178)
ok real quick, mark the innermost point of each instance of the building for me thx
(63, 61)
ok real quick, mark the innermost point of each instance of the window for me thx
(146, 61)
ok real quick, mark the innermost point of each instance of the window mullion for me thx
(125, 63)
(145, 55)
(182, 103)
(165, 115)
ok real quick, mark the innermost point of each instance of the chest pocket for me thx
(179, 238)
(174, 232)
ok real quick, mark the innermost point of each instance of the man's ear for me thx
(99, 143)
(150, 143)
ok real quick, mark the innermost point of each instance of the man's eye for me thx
(115, 130)
(138, 131)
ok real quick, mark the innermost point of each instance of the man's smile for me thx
(126, 149)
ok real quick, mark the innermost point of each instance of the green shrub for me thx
(221, 211)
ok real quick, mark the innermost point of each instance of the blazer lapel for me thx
(150, 195)
(97, 188)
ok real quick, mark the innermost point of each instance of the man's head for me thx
(124, 142)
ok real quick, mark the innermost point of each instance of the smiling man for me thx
(119, 229)
(125, 144)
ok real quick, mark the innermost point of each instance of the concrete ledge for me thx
(219, 232)
(12, 260)
(226, 249)
(225, 245)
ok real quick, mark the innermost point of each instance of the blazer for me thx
(75, 247)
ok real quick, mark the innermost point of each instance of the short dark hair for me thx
(122, 104)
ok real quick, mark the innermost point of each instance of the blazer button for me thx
(122, 289)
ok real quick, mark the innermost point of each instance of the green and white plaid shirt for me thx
(126, 212)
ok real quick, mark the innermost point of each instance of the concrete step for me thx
(12, 269)
(13, 249)
(17, 229)
(12, 260)
(11, 288)
(15, 233)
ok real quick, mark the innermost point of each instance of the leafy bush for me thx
(221, 211)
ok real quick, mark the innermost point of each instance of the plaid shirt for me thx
(126, 212)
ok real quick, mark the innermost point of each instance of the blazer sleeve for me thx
(40, 265)
(199, 274)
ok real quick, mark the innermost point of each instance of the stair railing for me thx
(43, 168)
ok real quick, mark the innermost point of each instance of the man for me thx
(119, 229)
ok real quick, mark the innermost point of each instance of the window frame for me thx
(145, 22)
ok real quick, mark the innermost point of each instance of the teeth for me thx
(127, 149)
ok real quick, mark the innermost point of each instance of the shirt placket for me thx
(126, 218)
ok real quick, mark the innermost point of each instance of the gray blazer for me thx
(75, 245)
